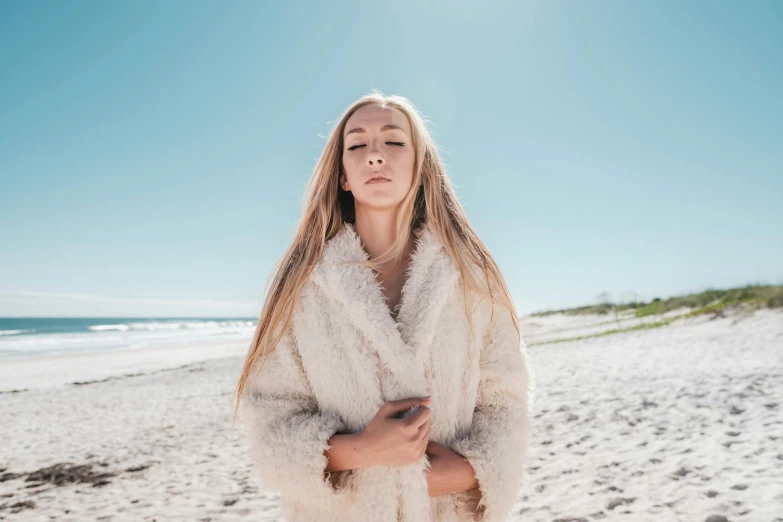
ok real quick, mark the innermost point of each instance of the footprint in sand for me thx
(619, 502)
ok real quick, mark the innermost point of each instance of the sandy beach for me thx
(677, 423)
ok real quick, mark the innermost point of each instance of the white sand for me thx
(673, 423)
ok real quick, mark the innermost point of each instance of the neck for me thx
(378, 233)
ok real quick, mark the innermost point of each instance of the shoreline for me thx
(62, 370)
(18, 375)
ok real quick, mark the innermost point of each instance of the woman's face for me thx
(377, 142)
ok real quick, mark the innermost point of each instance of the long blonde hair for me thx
(326, 207)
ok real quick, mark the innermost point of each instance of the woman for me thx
(387, 379)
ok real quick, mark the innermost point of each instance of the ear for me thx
(344, 182)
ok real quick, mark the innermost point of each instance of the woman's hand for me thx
(395, 441)
(449, 471)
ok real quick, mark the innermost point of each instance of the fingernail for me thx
(427, 397)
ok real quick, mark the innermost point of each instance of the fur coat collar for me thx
(402, 343)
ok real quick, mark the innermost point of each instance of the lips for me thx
(378, 179)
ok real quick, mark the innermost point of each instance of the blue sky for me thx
(154, 155)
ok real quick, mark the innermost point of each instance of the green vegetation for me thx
(751, 297)
(709, 301)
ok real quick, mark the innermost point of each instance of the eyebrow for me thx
(388, 126)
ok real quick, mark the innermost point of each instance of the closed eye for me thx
(395, 143)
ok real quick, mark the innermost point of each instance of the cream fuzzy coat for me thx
(344, 355)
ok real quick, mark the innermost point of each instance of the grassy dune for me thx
(657, 313)
(755, 296)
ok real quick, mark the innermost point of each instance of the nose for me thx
(374, 160)
(374, 157)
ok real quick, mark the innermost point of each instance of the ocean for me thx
(27, 337)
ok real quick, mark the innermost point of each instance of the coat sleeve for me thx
(287, 432)
(497, 444)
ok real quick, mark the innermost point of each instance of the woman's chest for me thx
(391, 286)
